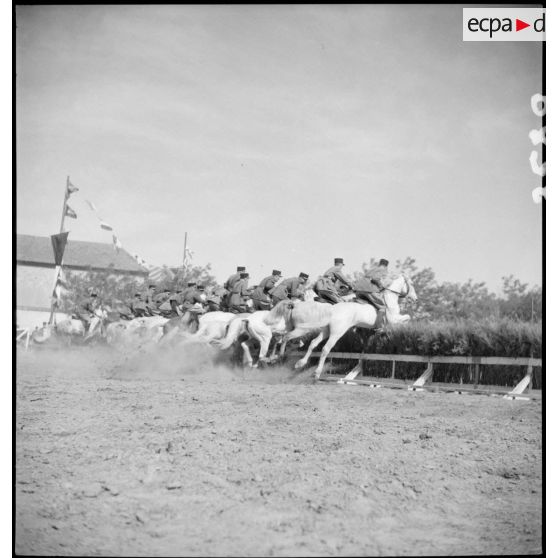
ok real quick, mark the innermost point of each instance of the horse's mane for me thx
(282, 309)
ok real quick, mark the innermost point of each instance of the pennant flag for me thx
(91, 205)
(70, 212)
(58, 245)
(62, 282)
(116, 243)
(105, 226)
(188, 255)
(71, 189)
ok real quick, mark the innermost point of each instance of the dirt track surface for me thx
(180, 457)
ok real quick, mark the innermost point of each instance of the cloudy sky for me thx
(281, 136)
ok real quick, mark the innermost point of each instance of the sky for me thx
(281, 136)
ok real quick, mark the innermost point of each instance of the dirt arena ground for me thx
(178, 456)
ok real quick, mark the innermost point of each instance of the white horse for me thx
(212, 327)
(333, 321)
(261, 326)
(72, 328)
(138, 330)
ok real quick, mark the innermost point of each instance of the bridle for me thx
(401, 294)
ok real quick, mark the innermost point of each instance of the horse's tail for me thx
(234, 331)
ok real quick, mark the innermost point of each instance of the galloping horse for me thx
(140, 330)
(72, 328)
(261, 326)
(333, 321)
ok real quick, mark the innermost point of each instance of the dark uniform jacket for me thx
(289, 288)
(191, 298)
(160, 298)
(334, 276)
(261, 292)
(87, 308)
(240, 293)
(231, 281)
(374, 280)
(149, 300)
(138, 305)
(180, 297)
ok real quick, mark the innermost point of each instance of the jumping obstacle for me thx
(424, 381)
(22, 335)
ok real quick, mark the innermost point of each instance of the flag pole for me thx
(64, 205)
(184, 251)
(59, 267)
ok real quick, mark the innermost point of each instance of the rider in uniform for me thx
(230, 283)
(86, 310)
(149, 300)
(194, 296)
(161, 297)
(214, 298)
(176, 299)
(327, 285)
(289, 288)
(369, 287)
(138, 306)
(240, 294)
(260, 296)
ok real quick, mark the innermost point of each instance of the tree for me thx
(115, 289)
(471, 299)
(520, 302)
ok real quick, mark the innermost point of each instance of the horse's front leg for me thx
(273, 357)
(264, 340)
(333, 338)
(314, 343)
(247, 358)
(288, 337)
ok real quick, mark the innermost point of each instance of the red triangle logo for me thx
(519, 25)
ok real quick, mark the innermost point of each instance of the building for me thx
(35, 272)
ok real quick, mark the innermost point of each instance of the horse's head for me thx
(282, 309)
(403, 287)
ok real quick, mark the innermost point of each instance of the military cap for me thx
(137, 294)
(151, 286)
(200, 287)
(276, 272)
(244, 275)
(303, 275)
(338, 261)
(384, 262)
(192, 283)
(241, 268)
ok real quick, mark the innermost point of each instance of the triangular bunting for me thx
(70, 212)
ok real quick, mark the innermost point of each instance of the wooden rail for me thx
(425, 379)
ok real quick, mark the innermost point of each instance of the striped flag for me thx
(157, 273)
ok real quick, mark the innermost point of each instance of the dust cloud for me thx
(188, 362)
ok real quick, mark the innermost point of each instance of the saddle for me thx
(320, 299)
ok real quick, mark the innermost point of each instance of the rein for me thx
(400, 295)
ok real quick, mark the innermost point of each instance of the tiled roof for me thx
(38, 250)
